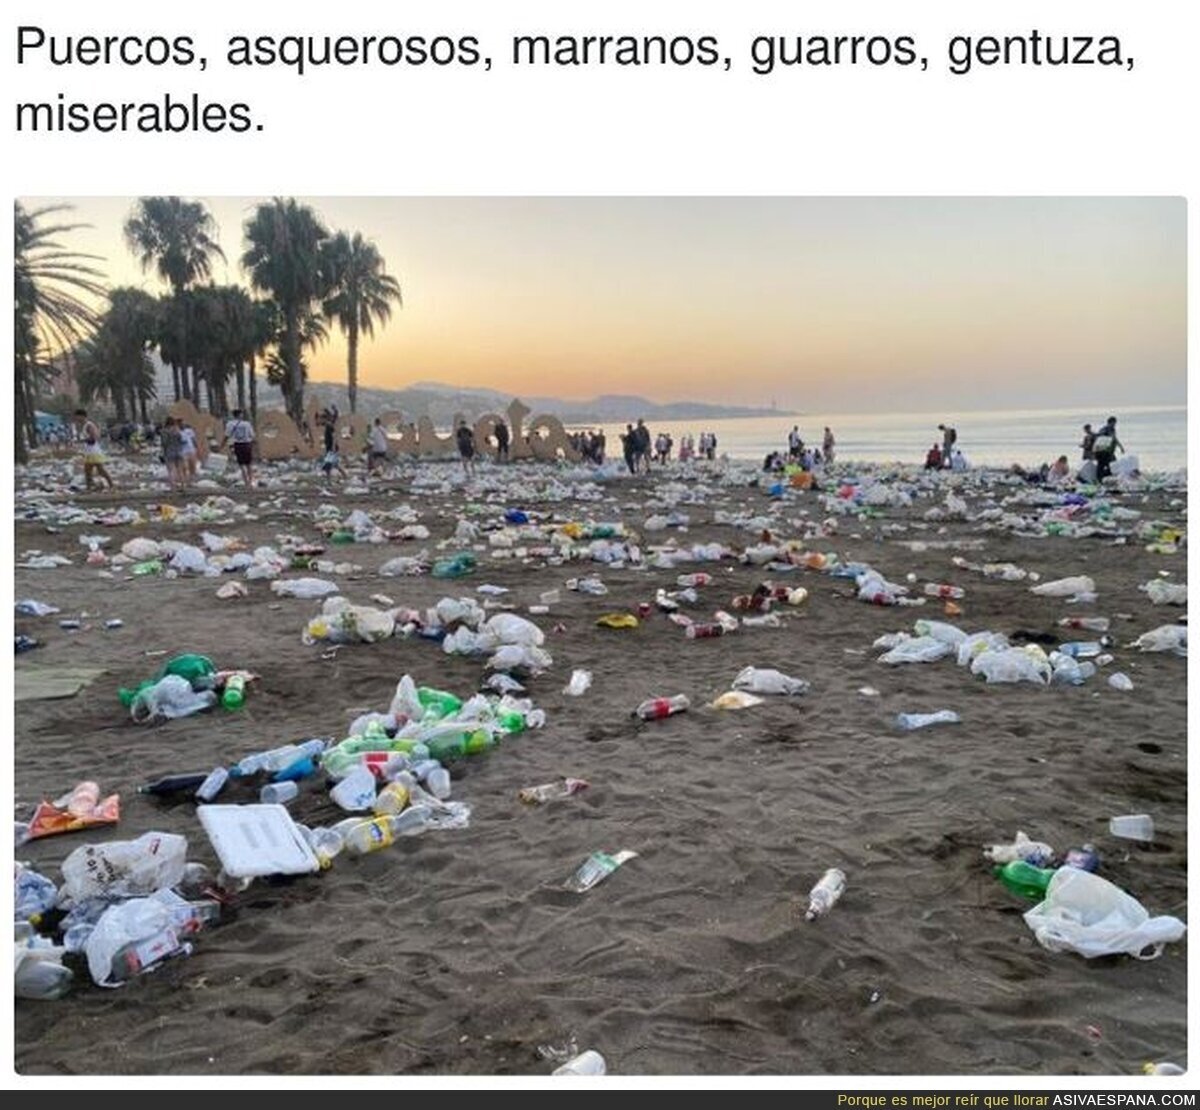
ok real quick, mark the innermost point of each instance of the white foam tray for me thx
(257, 840)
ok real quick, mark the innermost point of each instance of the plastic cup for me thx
(1132, 826)
(278, 793)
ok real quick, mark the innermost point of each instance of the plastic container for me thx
(655, 709)
(213, 785)
(586, 1063)
(356, 791)
(1133, 826)
(910, 721)
(596, 868)
(278, 793)
(823, 896)
(257, 840)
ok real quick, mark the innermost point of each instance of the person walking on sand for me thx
(240, 432)
(827, 446)
(466, 448)
(93, 452)
(795, 443)
(1105, 447)
(331, 461)
(501, 433)
(172, 452)
(1088, 443)
(191, 459)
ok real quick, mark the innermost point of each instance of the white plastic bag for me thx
(1167, 637)
(128, 923)
(304, 588)
(940, 630)
(343, 623)
(124, 868)
(508, 628)
(171, 697)
(919, 649)
(1012, 665)
(188, 558)
(979, 642)
(1086, 914)
(139, 549)
(1166, 593)
(766, 681)
(402, 565)
(521, 658)
(406, 706)
(459, 610)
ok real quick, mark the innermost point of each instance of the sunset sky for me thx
(821, 304)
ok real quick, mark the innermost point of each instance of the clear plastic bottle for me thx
(140, 956)
(437, 782)
(824, 895)
(940, 589)
(1090, 624)
(703, 631)
(654, 709)
(690, 581)
(596, 868)
(371, 836)
(391, 799)
(41, 979)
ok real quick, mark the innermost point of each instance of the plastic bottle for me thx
(939, 589)
(212, 785)
(1082, 649)
(302, 768)
(596, 868)
(654, 709)
(701, 578)
(1163, 1067)
(1090, 624)
(828, 890)
(447, 749)
(1120, 681)
(1022, 848)
(578, 686)
(191, 917)
(438, 783)
(326, 844)
(910, 721)
(41, 979)
(356, 791)
(703, 631)
(551, 791)
(371, 836)
(175, 784)
(234, 694)
(189, 666)
(586, 1063)
(391, 799)
(1024, 880)
(278, 793)
(438, 703)
(767, 620)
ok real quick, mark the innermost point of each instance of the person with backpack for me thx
(240, 432)
(1105, 447)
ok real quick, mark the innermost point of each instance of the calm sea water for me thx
(1158, 435)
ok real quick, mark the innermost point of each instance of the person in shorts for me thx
(240, 432)
(172, 451)
(191, 459)
(93, 452)
(501, 433)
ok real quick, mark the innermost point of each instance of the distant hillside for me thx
(440, 402)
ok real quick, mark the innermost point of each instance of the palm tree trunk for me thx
(241, 385)
(291, 338)
(20, 443)
(253, 392)
(352, 364)
(175, 379)
(208, 389)
(145, 418)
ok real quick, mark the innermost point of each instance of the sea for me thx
(1157, 435)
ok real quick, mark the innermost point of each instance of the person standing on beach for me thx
(629, 448)
(1105, 447)
(1088, 443)
(93, 452)
(501, 432)
(827, 445)
(795, 443)
(240, 432)
(949, 439)
(466, 448)
(641, 444)
(377, 446)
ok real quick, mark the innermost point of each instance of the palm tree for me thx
(312, 332)
(178, 238)
(361, 296)
(284, 240)
(115, 362)
(50, 315)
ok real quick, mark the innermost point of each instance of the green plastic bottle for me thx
(447, 749)
(234, 694)
(437, 703)
(342, 536)
(1024, 880)
(511, 721)
(481, 740)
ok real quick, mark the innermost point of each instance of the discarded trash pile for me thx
(128, 906)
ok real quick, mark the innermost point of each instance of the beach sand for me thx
(459, 952)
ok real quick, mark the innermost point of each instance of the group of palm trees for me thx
(302, 278)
